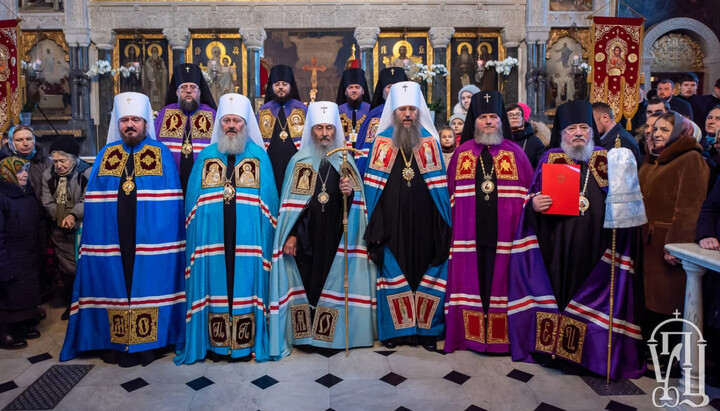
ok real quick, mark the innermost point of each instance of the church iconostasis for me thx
(223, 58)
(46, 71)
(465, 53)
(148, 58)
(403, 50)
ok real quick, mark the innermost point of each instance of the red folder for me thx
(562, 183)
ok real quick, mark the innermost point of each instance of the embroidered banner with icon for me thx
(617, 49)
(9, 74)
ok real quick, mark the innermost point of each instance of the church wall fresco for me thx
(331, 48)
(50, 85)
(222, 57)
(153, 55)
(403, 50)
(657, 11)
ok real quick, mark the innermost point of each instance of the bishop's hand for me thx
(290, 245)
(541, 203)
(346, 186)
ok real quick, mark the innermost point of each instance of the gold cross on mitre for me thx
(129, 100)
(404, 87)
(392, 71)
(231, 99)
(487, 97)
(187, 69)
(323, 108)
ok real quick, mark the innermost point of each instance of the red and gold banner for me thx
(9, 74)
(617, 51)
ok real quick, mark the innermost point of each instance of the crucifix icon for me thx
(323, 109)
(313, 68)
(487, 97)
(404, 87)
(187, 69)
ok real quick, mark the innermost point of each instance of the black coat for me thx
(708, 224)
(626, 141)
(530, 143)
(20, 219)
(39, 162)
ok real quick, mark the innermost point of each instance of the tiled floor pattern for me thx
(407, 378)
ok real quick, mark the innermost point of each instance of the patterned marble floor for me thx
(407, 378)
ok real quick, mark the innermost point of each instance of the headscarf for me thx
(681, 127)
(407, 93)
(239, 105)
(189, 73)
(322, 112)
(10, 167)
(572, 112)
(484, 103)
(281, 73)
(390, 75)
(352, 76)
(470, 88)
(11, 143)
(130, 104)
(457, 117)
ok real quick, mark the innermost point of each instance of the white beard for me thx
(234, 145)
(489, 139)
(581, 154)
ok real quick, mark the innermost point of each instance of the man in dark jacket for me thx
(609, 130)
(524, 135)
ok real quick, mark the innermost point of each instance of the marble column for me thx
(690, 381)
(536, 77)
(178, 38)
(253, 38)
(511, 39)
(104, 40)
(439, 39)
(366, 38)
(78, 40)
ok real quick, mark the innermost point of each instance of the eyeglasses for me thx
(189, 87)
(514, 115)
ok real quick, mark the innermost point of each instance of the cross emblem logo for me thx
(129, 100)
(405, 87)
(187, 69)
(392, 71)
(323, 109)
(231, 99)
(487, 97)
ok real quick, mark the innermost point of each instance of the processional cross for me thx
(313, 68)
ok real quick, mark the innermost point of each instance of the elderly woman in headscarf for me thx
(22, 143)
(63, 193)
(674, 183)
(20, 217)
(464, 96)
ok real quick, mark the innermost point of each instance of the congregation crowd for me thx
(227, 234)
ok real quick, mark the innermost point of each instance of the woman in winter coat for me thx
(673, 185)
(63, 193)
(20, 219)
(22, 143)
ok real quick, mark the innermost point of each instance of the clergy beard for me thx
(405, 138)
(582, 153)
(188, 106)
(282, 100)
(489, 139)
(234, 145)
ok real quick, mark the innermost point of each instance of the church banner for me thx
(617, 49)
(9, 74)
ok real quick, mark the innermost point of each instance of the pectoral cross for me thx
(487, 97)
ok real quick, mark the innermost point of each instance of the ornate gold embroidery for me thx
(427, 155)
(466, 165)
(266, 121)
(148, 161)
(571, 339)
(243, 331)
(505, 166)
(119, 327)
(300, 315)
(219, 329)
(372, 130)
(173, 123)
(546, 331)
(304, 179)
(559, 158)
(599, 166)
(113, 161)
(247, 173)
(357, 185)
(143, 325)
(296, 122)
(474, 325)
(402, 310)
(426, 305)
(213, 174)
(202, 124)
(383, 155)
(325, 323)
(497, 329)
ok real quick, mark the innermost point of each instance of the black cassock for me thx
(318, 233)
(408, 222)
(486, 219)
(280, 151)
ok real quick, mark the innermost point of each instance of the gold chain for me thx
(407, 163)
(482, 165)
